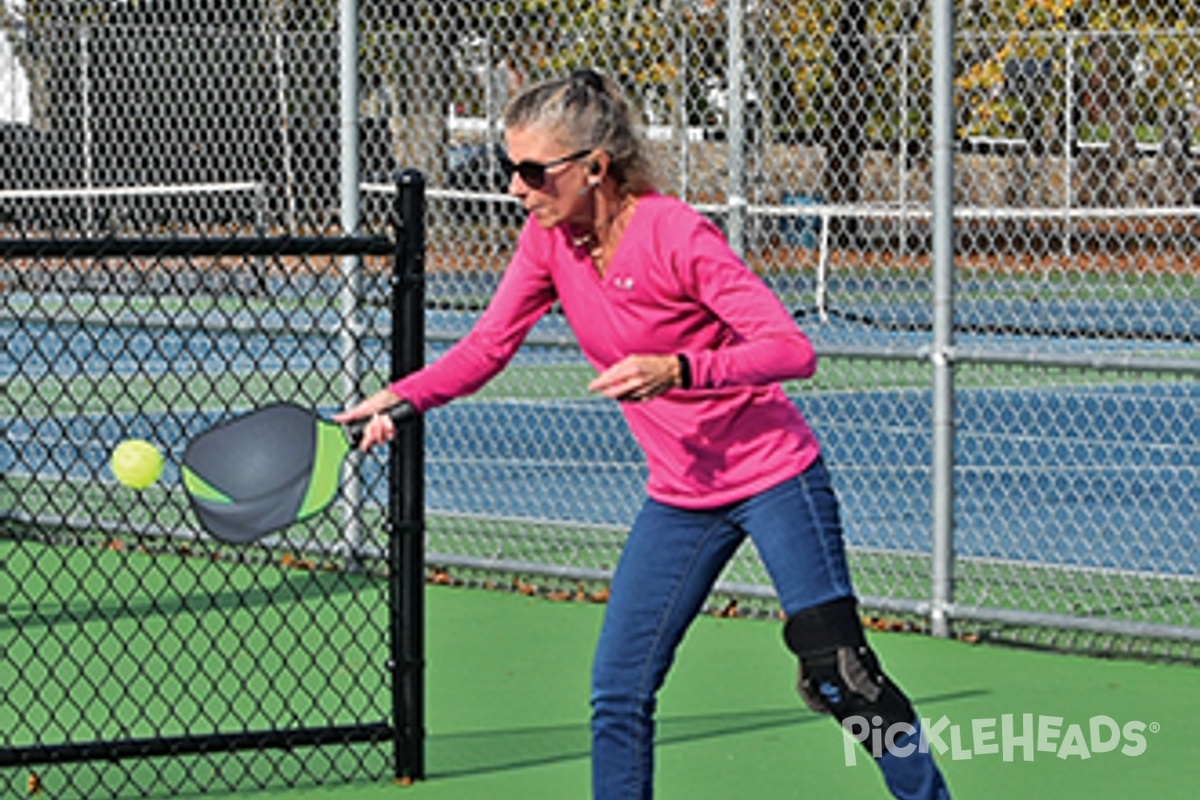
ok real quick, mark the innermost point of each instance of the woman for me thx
(693, 346)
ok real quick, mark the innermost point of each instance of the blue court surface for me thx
(1065, 467)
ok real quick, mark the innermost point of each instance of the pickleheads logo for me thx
(1009, 737)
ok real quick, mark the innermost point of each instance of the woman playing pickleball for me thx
(693, 346)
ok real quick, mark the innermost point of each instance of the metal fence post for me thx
(351, 265)
(406, 487)
(943, 316)
(736, 143)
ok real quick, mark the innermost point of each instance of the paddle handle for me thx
(401, 413)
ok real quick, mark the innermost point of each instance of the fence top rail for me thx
(872, 210)
(924, 212)
(73, 192)
(169, 247)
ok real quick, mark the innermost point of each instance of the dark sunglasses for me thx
(533, 173)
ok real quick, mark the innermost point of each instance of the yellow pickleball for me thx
(136, 463)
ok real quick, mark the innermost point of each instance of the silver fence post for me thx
(736, 131)
(351, 266)
(680, 118)
(85, 99)
(280, 44)
(1069, 101)
(941, 354)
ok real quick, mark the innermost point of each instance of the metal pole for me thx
(351, 266)
(348, 111)
(1069, 101)
(680, 119)
(85, 68)
(285, 127)
(902, 177)
(736, 134)
(491, 115)
(943, 316)
(406, 490)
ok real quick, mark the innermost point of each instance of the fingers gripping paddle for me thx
(263, 471)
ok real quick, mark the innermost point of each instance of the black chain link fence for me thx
(142, 657)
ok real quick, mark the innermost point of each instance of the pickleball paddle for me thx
(267, 469)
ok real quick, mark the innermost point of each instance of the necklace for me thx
(600, 242)
(592, 239)
(586, 239)
(601, 249)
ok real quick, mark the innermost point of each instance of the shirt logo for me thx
(623, 281)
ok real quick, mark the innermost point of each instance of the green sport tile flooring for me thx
(507, 715)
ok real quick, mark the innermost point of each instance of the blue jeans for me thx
(669, 564)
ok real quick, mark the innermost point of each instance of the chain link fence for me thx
(804, 129)
(129, 636)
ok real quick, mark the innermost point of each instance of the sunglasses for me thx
(533, 173)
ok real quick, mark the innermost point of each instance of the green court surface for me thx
(507, 715)
(507, 691)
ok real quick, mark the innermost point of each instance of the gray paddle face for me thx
(263, 471)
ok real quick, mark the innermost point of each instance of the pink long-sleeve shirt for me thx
(672, 286)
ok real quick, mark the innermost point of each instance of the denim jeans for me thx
(669, 564)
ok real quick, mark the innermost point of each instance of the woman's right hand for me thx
(379, 427)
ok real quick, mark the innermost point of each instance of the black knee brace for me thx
(839, 673)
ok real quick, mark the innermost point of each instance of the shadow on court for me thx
(270, 588)
(498, 751)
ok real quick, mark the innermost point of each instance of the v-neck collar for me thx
(601, 275)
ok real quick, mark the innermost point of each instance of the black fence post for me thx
(406, 501)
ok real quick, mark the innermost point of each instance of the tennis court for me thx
(103, 624)
(135, 638)
(1016, 458)
(1065, 443)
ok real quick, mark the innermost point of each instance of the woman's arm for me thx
(525, 293)
(758, 341)
(766, 345)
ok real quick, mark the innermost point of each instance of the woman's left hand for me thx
(638, 378)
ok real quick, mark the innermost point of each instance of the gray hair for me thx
(586, 110)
